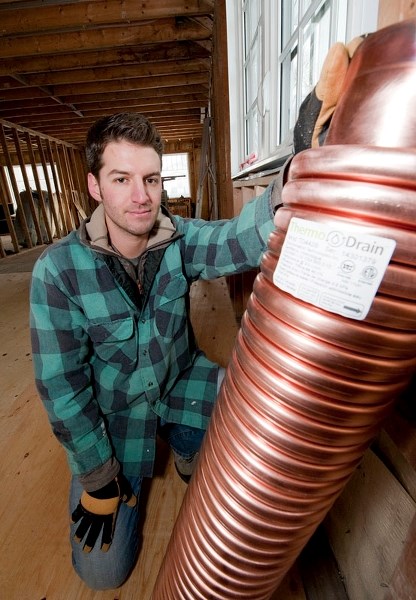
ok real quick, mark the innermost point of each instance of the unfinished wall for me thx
(43, 192)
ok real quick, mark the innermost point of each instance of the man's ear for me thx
(94, 188)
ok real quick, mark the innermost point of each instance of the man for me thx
(114, 355)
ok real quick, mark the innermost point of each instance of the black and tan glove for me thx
(97, 511)
(318, 107)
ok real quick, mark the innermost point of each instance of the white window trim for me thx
(349, 19)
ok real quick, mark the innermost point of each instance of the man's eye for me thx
(152, 180)
(121, 179)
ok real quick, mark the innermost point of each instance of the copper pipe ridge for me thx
(306, 390)
(359, 163)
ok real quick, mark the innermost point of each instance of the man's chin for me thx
(141, 229)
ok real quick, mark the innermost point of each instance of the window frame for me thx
(348, 18)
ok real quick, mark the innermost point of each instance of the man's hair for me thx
(131, 127)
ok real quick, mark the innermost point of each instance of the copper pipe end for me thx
(379, 92)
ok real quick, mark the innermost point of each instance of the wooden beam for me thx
(165, 30)
(181, 50)
(60, 191)
(92, 14)
(39, 190)
(221, 113)
(146, 97)
(367, 528)
(6, 199)
(29, 197)
(76, 91)
(100, 109)
(117, 72)
(403, 582)
(17, 198)
(20, 128)
(59, 228)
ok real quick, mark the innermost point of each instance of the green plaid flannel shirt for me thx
(108, 363)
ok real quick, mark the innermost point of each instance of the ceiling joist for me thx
(65, 64)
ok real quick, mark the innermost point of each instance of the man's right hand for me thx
(97, 511)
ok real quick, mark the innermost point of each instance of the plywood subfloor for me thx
(34, 545)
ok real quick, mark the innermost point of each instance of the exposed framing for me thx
(64, 170)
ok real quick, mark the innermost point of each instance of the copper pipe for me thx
(359, 163)
(381, 84)
(306, 389)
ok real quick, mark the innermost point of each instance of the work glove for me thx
(318, 107)
(97, 511)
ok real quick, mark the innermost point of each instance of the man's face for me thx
(129, 186)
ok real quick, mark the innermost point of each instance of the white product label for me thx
(334, 267)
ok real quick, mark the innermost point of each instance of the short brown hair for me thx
(132, 127)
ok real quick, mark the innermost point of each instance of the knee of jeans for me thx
(102, 579)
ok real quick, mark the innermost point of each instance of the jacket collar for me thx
(93, 231)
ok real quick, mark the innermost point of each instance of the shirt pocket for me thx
(170, 308)
(115, 343)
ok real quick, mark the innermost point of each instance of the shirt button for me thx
(144, 352)
(150, 383)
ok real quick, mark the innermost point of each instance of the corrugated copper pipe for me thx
(307, 389)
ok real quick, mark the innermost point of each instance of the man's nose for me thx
(138, 191)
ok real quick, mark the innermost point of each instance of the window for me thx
(276, 52)
(306, 39)
(252, 72)
(175, 175)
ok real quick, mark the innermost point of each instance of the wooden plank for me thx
(98, 87)
(401, 427)
(39, 190)
(62, 206)
(135, 54)
(403, 583)
(237, 201)
(68, 213)
(394, 454)
(77, 165)
(15, 357)
(88, 14)
(6, 199)
(367, 528)
(17, 198)
(164, 30)
(247, 194)
(28, 197)
(221, 145)
(121, 71)
(211, 308)
(25, 129)
(58, 227)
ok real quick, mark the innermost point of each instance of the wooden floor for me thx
(34, 545)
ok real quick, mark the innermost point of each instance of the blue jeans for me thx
(108, 570)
